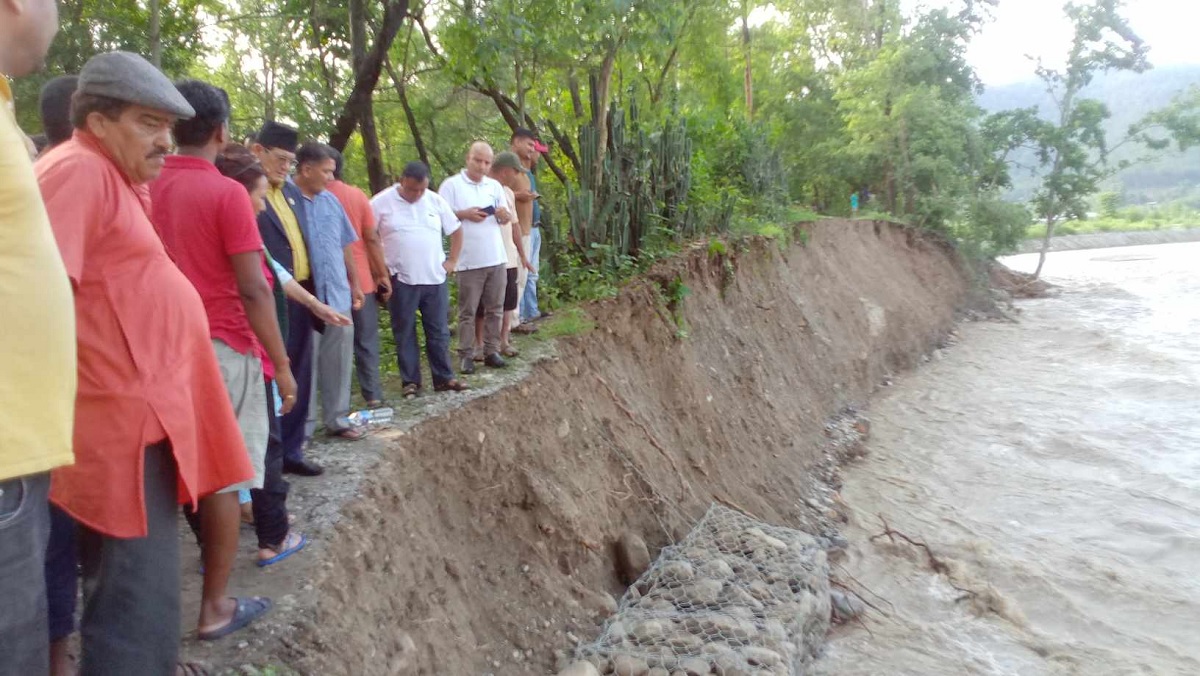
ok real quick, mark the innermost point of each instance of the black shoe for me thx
(467, 367)
(303, 468)
(495, 361)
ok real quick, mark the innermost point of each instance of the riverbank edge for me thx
(843, 304)
(1106, 240)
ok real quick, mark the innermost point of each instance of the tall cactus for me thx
(642, 185)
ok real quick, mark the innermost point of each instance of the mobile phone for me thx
(489, 210)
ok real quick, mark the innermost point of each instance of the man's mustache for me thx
(156, 154)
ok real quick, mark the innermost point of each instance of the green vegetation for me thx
(669, 121)
(1130, 219)
(568, 321)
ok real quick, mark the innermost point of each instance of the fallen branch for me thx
(845, 587)
(935, 563)
(891, 534)
(860, 583)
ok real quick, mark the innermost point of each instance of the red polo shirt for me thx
(203, 219)
(147, 370)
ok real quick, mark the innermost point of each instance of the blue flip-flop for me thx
(248, 610)
(285, 553)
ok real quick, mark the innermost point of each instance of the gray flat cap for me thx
(128, 77)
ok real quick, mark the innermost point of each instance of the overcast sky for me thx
(1039, 28)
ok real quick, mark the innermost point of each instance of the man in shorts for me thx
(209, 229)
(508, 170)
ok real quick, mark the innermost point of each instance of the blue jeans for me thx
(433, 300)
(62, 574)
(529, 306)
(24, 532)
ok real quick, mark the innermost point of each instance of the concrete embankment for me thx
(1105, 240)
(482, 540)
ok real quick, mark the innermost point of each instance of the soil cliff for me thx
(483, 541)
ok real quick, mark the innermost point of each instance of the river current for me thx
(1053, 466)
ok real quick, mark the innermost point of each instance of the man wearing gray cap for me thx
(154, 425)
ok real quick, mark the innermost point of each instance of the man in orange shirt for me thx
(373, 278)
(153, 422)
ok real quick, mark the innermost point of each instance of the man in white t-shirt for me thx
(479, 202)
(411, 221)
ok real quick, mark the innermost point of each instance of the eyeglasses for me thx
(288, 160)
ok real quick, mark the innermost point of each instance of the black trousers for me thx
(270, 501)
(131, 603)
(300, 352)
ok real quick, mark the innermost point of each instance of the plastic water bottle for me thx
(375, 416)
(381, 416)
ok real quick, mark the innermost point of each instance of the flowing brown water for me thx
(1054, 465)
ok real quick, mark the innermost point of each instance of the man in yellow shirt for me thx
(285, 232)
(37, 357)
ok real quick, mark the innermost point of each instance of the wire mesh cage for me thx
(736, 597)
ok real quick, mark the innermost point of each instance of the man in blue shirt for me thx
(332, 260)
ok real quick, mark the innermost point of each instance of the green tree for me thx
(1072, 146)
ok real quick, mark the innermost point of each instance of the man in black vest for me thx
(285, 233)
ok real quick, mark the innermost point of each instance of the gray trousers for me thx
(366, 348)
(131, 610)
(334, 353)
(24, 532)
(486, 286)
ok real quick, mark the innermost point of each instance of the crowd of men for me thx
(180, 306)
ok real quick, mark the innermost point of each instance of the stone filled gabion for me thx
(736, 597)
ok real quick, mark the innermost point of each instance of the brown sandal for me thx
(452, 385)
(412, 391)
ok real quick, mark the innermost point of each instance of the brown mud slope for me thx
(483, 541)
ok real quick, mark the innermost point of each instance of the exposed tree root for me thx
(937, 565)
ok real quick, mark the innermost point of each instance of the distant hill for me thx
(1129, 97)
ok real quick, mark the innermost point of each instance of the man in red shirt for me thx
(208, 226)
(153, 423)
(373, 278)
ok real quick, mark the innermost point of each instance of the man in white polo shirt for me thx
(479, 202)
(411, 221)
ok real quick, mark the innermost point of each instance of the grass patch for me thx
(569, 321)
(797, 214)
(1096, 225)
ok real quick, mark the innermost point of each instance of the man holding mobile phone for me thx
(478, 201)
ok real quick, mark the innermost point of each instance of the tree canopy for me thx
(666, 118)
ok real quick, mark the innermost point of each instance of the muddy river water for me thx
(1053, 466)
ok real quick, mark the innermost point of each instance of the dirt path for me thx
(316, 503)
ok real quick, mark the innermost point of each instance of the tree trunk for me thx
(376, 174)
(156, 33)
(600, 102)
(1050, 223)
(576, 98)
(409, 116)
(749, 79)
(366, 76)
